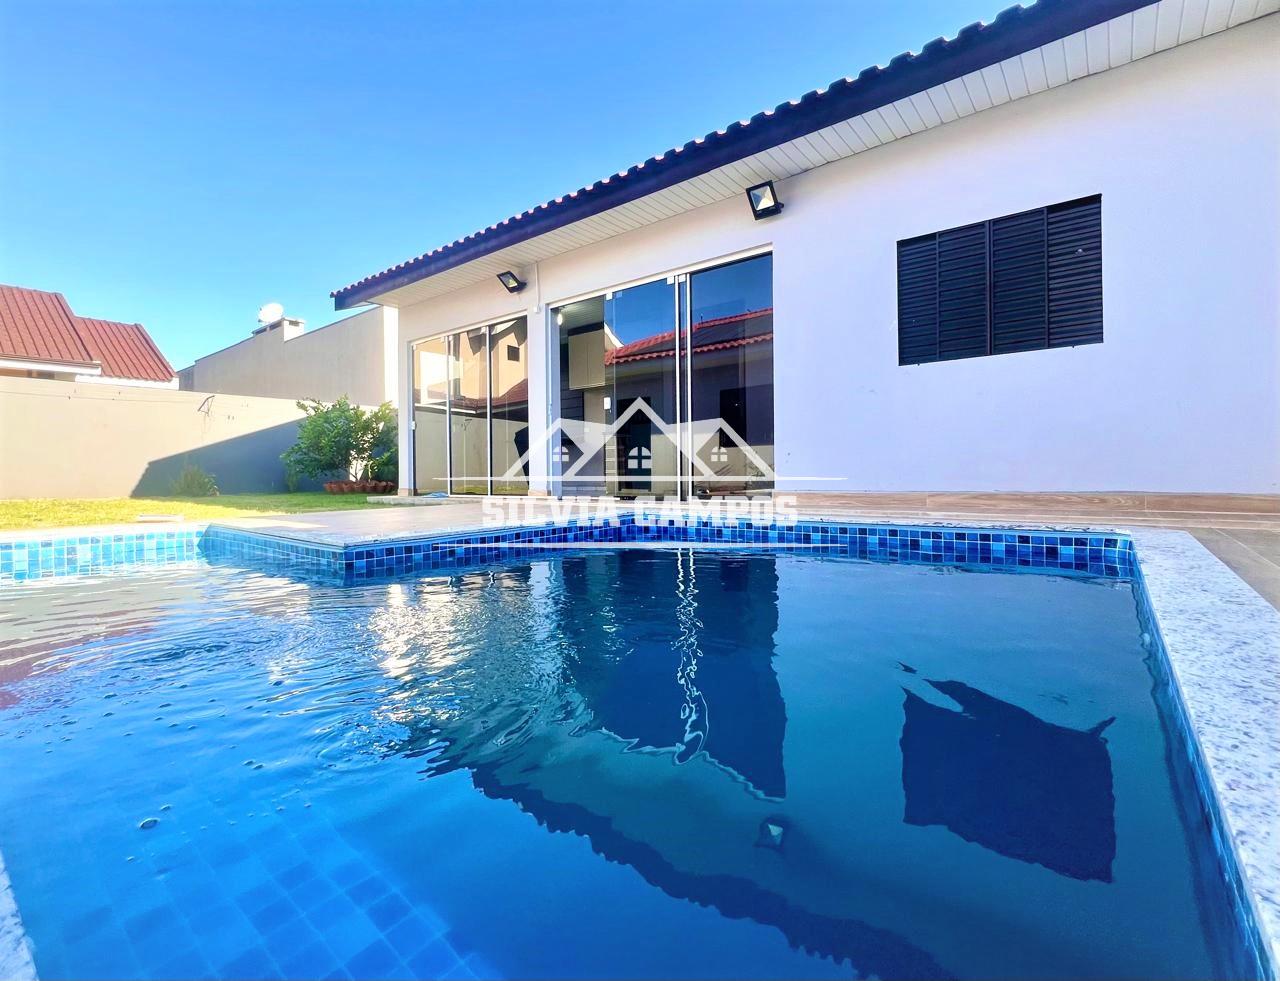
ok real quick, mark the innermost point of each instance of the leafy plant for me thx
(339, 439)
(194, 481)
(384, 455)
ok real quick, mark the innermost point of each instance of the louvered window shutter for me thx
(918, 300)
(962, 292)
(1024, 282)
(1019, 274)
(1075, 272)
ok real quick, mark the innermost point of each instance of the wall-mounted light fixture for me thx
(764, 200)
(512, 282)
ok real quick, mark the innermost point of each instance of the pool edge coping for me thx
(17, 960)
(1221, 642)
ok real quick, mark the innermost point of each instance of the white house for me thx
(1040, 256)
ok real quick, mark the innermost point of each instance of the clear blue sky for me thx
(181, 163)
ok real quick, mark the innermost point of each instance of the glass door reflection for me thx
(431, 415)
(469, 412)
(729, 345)
(618, 394)
(666, 388)
(509, 406)
(641, 370)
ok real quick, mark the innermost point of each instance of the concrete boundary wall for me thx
(76, 440)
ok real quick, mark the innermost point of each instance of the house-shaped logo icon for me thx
(694, 448)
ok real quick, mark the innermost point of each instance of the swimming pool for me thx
(613, 763)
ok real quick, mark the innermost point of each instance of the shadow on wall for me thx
(248, 464)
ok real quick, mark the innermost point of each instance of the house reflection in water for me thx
(688, 692)
(735, 736)
(1000, 777)
(661, 742)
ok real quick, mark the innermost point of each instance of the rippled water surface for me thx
(612, 764)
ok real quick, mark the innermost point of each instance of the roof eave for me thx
(50, 364)
(1013, 32)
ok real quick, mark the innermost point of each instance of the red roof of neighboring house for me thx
(125, 350)
(708, 335)
(515, 395)
(39, 326)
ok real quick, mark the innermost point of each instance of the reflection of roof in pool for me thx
(1000, 777)
(870, 950)
(741, 694)
(589, 745)
(719, 334)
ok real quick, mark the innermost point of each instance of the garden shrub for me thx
(342, 440)
(194, 481)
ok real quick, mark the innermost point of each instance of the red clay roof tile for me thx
(39, 326)
(125, 350)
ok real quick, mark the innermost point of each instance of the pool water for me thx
(658, 763)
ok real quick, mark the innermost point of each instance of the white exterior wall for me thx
(1182, 395)
(349, 357)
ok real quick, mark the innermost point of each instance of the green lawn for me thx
(17, 515)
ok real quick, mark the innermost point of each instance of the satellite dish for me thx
(270, 313)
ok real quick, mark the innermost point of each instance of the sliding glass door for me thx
(729, 342)
(471, 411)
(509, 406)
(618, 394)
(666, 388)
(431, 415)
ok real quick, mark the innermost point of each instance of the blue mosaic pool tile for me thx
(270, 553)
(1096, 555)
(34, 557)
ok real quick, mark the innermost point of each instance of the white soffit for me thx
(1130, 37)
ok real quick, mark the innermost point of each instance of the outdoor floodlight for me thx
(512, 282)
(764, 200)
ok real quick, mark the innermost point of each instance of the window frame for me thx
(450, 337)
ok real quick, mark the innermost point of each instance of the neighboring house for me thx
(1040, 256)
(352, 357)
(41, 338)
